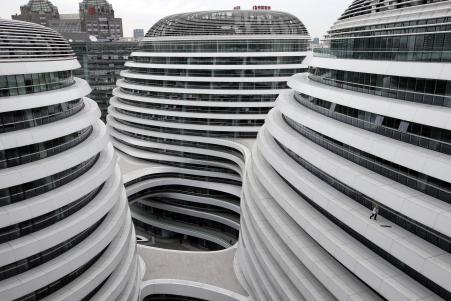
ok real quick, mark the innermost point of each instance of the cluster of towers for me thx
(95, 18)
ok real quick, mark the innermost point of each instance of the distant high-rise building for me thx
(38, 11)
(97, 19)
(315, 40)
(101, 64)
(138, 33)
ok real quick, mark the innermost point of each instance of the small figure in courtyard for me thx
(375, 212)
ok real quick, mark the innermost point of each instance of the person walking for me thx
(375, 212)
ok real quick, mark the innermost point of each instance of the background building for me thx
(369, 126)
(138, 34)
(67, 23)
(194, 95)
(97, 19)
(65, 227)
(101, 54)
(38, 11)
(101, 64)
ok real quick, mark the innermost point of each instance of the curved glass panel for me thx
(23, 119)
(21, 84)
(421, 182)
(24, 191)
(33, 152)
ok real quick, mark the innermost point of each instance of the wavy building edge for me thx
(66, 230)
(336, 147)
(190, 104)
(324, 262)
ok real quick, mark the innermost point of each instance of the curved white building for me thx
(65, 227)
(194, 95)
(368, 126)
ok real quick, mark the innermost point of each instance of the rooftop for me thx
(30, 41)
(365, 7)
(228, 22)
(41, 6)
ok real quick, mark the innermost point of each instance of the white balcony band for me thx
(65, 226)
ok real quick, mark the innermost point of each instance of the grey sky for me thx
(317, 15)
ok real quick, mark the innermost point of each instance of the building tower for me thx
(101, 64)
(194, 95)
(38, 11)
(65, 227)
(369, 126)
(97, 19)
(138, 34)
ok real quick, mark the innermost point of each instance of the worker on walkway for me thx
(375, 212)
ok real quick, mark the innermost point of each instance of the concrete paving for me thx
(214, 268)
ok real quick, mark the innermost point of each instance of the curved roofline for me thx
(229, 10)
(228, 22)
(26, 41)
(229, 37)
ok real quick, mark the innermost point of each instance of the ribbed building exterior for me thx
(65, 227)
(195, 93)
(368, 126)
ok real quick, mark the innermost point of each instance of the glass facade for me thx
(426, 40)
(178, 131)
(186, 120)
(218, 72)
(208, 60)
(183, 154)
(429, 137)
(197, 109)
(168, 297)
(223, 97)
(196, 46)
(27, 190)
(196, 144)
(23, 119)
(426, 184)
(60, 283)
(361, 8)
(12, 85)
(38, 151)
(43, 221)
(420, 90)
(29, 263)
(209, 85)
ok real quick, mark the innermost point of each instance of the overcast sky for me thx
(317, 15)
